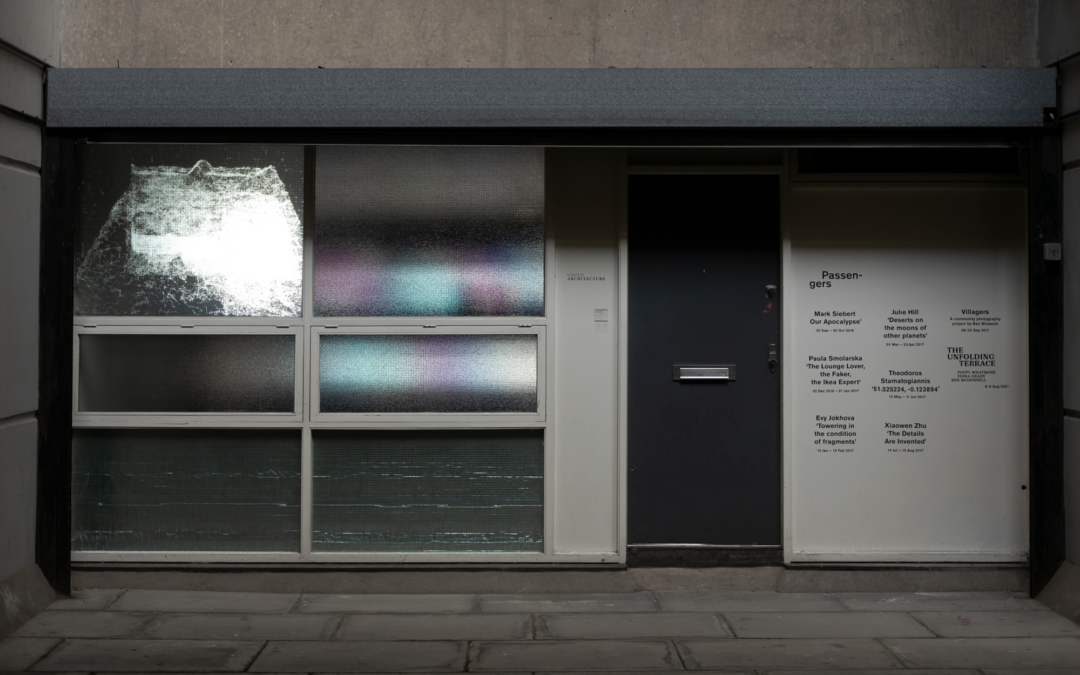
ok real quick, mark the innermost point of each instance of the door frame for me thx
(697, 555)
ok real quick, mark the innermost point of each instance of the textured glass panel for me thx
(187, 373)
(189, 230)
(185, 490)
(408, 231)
(401, 491)
(427, 373)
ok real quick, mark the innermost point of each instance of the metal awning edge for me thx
(494, 98)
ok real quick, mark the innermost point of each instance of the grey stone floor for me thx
(107, 631)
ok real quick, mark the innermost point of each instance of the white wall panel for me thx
(33, 26)
(20, 141)
(581, 218)
(20, 84)
(19, 252)
(18, 494)
(586, 460)
(904, 447)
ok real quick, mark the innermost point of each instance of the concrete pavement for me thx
(149, 631)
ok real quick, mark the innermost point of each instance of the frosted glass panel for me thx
(412, 231)
(189, 230)
(185, 490)
(187, 373)
(402, 491)
(427, 373)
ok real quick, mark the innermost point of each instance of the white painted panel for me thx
(19, 255)
(20, 84)
(585, 431)
(885, 287)
(1072, 489)
(18, 494)
(33, 26)
(20, 141)
(1070, 259)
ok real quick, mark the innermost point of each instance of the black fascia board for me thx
(557, 98)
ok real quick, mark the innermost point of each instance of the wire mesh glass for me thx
(187, 373)
(429, 231)
(189, 230)
(437, 491)
(428, 373)
(165, 490)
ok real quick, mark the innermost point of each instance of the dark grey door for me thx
(704, 454)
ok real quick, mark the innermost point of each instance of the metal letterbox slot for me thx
(700, 373)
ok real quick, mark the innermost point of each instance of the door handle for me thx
(703, 373)
(772, 358)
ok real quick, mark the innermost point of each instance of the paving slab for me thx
(625, 672)
(933, 602)
(388, 603)
(18, 653)
(778, 654)
(150, 656)
(890, 671)
(552, 604)
(1024, 671)
(90, 599)
(571, 655)
(84, 624)
(987, 653)
(825, 625)
(361, 657)
(746, 601)
(241, 627)
(436, 627)
(997, 624)
(624, 626)
(204, 601)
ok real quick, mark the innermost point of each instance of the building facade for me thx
(534, 284)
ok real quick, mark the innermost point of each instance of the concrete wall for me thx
(1059, 30)
(31, 26)
(1059, 43)
(1070, 96)
(549, 33)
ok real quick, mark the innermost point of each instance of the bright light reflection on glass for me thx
(196, 240)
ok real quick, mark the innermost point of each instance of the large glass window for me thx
(187, 373)
(455, 490)
(429, 231)
(240, 354)
(427, 373)
(215, 490)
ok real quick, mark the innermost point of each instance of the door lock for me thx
(770, 291)
(772, 356)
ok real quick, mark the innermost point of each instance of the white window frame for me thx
(307, 328)
(200, 419)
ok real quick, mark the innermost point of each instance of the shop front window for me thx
(259, 375)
